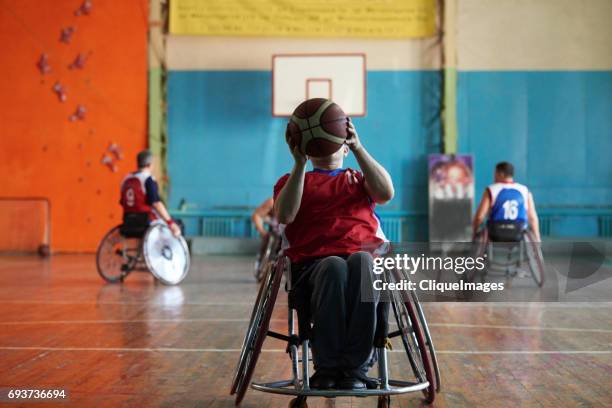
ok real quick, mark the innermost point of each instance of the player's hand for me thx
(298, 156)
(353, 141)
(176, 230)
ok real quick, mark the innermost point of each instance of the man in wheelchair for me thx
(509, 207)
(329, 216)
(140, 200)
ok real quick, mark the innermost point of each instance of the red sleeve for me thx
(280, 184)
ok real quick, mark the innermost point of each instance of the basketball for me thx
(318, 126)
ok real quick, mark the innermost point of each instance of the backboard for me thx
(339, 77)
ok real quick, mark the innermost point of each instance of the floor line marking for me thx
(510, 327)
(220, 350)
(551, 305)
(244, 320)
(71, 302)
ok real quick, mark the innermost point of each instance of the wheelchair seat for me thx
(506, 231)
(134, 224)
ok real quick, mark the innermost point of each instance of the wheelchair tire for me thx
(534, 258)
(432, 349)
(298, 402)
(258, 329)
(250, 328)
(480, 246)
(267, 257)
(109, 262)
(384, 401)
(481, 240)
(422, 364)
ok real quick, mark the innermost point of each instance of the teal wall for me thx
(226, 150)
(555, 126)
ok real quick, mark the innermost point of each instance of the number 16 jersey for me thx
(509, 202)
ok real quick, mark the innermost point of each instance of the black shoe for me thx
(356, 375)
(348, 381)
(323, 379)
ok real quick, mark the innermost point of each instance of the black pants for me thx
(342, 305)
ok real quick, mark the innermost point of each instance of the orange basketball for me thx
(318, 126)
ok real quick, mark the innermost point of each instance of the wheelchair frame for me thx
(412, 328)
(132, 258)
(527, 248)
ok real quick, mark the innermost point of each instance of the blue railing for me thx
(405, 225)
(584, 221)
(397, 225)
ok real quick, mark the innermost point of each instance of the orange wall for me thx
(42, 153)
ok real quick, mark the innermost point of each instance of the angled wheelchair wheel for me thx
(535, 259)
(481, 240)
(112, 259)
(250, 329)
(414, 340)
(166, 256)
(480, 246)
(258, 328)
(430, 345)
(268, 256)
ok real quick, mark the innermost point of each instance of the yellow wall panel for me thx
(304, 18)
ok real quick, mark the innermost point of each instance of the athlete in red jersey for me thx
(139, 193)
(329, 218)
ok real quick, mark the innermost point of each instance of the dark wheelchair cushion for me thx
(134, 225)
(506, 231)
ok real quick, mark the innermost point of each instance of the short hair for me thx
(144, 158)
(505, 168)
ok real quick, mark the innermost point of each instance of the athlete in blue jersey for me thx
(507, 203)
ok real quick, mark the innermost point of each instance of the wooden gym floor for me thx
(141, 344)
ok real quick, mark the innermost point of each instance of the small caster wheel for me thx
(299, 402)
(384, 401)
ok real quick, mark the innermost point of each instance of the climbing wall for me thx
(73, 89)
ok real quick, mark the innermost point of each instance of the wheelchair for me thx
(411, 329)
(268, 254)
(137, 245)
(506, 246)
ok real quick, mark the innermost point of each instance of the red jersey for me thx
(336, 216)
(138, 192)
